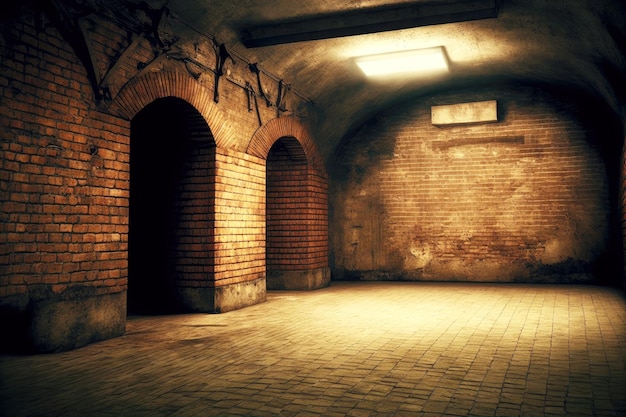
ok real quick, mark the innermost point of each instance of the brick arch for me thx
(266, 135)
(143, 90)
(296, 206)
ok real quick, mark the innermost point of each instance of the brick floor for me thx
(354, 349)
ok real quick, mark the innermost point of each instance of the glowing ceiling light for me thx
(420, 61)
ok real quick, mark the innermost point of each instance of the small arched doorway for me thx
(172, 175)
(296, 224)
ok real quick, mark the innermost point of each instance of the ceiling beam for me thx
(369, 20)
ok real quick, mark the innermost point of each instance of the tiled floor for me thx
(355, 349)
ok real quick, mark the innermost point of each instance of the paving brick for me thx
(361, 349)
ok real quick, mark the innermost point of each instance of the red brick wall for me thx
(317, 219)
(64, 174)
(524, 199)
(297, 225)
(239, 218)
(195, 213)
(287, 237)
(65, 180)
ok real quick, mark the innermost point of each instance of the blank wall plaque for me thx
(463, 113)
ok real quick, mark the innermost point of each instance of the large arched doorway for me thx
(172, 171)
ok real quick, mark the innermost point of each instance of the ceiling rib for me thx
(370, 20)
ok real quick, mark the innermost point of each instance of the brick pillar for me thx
(239, 278)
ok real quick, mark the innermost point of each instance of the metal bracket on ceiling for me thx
(72, 20)
(280, 97)
(249, 94)
(254, 68)
(221, 55)
(252, 94)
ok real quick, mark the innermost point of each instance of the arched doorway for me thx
(296, 235)
(172, 175)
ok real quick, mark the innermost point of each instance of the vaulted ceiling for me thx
(576, 45)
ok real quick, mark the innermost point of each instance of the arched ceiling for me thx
(575, 45)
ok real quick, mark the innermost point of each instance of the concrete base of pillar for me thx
(224, 298)
(310, 279)
(62, 324)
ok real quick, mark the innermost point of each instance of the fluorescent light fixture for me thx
(419, 61)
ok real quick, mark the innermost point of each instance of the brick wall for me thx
(239, 218)
(297, 225)
(195, 215)
(64, 179)
(317, 219)
(287, 237)
(524, 199)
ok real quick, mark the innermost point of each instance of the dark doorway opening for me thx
(171, 163)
